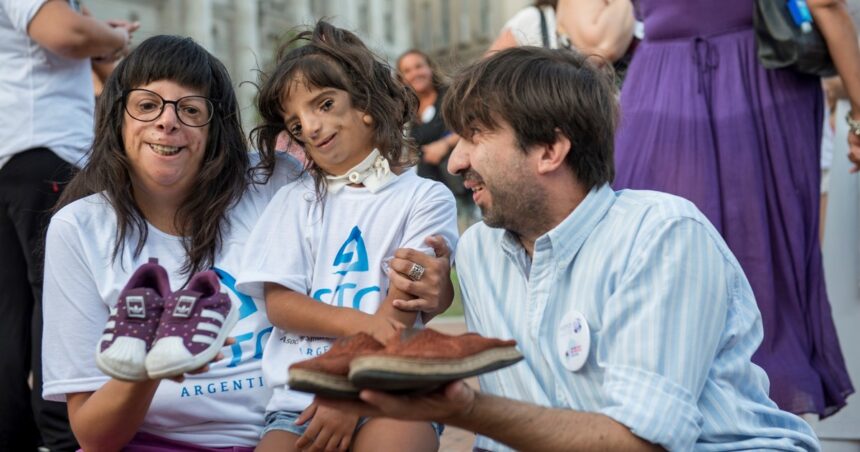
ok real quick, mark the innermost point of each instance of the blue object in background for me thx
(800, 14)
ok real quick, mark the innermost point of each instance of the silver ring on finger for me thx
(416, 272)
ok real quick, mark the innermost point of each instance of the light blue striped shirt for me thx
(672, 317)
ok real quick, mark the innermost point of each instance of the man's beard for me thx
(518, 207)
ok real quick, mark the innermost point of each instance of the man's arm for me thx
(520, 425)
(60, 29)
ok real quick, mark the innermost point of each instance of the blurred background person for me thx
(534, 25)
(840, 248)
(46, 96)
(703, 119)
(434, 140)
(604, 28)
(601, 28)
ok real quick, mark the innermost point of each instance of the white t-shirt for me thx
(525, 27)
(222, 407)
(333, 252)
(48, 99)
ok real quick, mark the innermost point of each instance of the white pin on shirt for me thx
(574, 340)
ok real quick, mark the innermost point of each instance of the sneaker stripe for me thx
(210, 327)
(110, 324)
(202, 339)
(107, 337)
(212, 315)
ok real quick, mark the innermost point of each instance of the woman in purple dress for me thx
(701, 118)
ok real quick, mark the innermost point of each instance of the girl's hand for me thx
(382, 327)
(330, 428)
(434, 292)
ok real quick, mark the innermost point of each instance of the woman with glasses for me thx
(168, 177)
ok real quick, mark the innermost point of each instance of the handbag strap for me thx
(544, 33)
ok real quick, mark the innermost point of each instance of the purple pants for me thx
(146, 442)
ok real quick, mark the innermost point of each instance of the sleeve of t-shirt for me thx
(275, 252)
(525, 27)
(21, 12)
(74, 316)
(434, 214)
(677, 283)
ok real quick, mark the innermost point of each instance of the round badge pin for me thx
(574, 341)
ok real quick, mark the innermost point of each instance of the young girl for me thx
(317, 253)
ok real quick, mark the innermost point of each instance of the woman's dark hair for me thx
(539, 92)
(225, 171)
(330, 57)
(439, 80)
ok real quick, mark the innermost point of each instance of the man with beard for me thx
(635, 320)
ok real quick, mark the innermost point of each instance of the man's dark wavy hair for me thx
(331, 57)
(225, 171)
(538, 91)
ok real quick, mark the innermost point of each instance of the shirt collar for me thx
(567, 238)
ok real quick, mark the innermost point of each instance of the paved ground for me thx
(454, 439)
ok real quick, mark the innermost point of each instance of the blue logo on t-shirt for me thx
(352, 256)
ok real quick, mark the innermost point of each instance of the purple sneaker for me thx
(133, 321)
(195, 323)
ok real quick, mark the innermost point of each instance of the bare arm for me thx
(299, 313)
(107, 419)
(60, 29)
(520, 425)
(436, 151)
(101, 70)
(505, 40)
(388, 310)
(597, 27)
(838, 30)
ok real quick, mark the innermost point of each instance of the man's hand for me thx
(434, 291)
(455, 400)
(330, 428)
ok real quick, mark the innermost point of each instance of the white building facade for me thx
(244, 34)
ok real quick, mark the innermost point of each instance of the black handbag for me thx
(783, 44)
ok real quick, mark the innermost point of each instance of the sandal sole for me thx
(327, 385)
(397, 374)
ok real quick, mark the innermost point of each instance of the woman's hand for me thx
(854, 151)
(434, 292)
(205, 368)
(433, 153)
(330, 428)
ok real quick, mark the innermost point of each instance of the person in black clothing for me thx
(434, 140)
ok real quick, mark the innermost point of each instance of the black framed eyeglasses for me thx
(147, 106)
